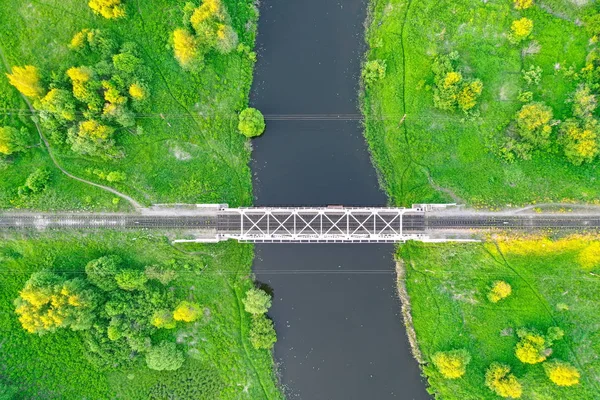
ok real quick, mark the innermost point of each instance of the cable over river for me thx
(340, 332)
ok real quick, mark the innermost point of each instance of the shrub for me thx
(187, 311)
(520, 30)
(163, 319)
(525, 97)
(584, 102)
(262, 332)
(12, 140)
(532, 76)
(499, 379)
(523, 4)
(109, 9)
(38, 180)
(257, 301)
(161, 274)
(534, 127)
(131, 279)
(102, 272)
(561, 373)
(451, 364)
(164, 357)
(251, 122)
(373, 71)
(468, 95)
(499, 290)
(27, 81)
(580, 140)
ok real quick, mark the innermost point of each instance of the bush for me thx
(561, 373)
(262, 332)
(499, 290)
(499, 379)
(520, 30)
(257, 301)
(532, 76)
(373, 71)
(251, 122)
(102, 272)
(27, 81)
(523, 4)
(164, 357)
(452, 364)
(109, 9)
(187, 311)
(533, 131)
(38, 180)
(131, 279)
(584, 102)
(161, 274)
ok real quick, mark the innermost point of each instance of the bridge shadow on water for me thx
(335, 305)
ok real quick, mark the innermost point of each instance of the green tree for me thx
(164, 357)
(38, 180)
(452, 364)
(580, 140)
(12, 140)
(102, 271)
(257, 301)
(251, 122)
(262, 332)
(131, 279)
(373, 71)
(499, 379)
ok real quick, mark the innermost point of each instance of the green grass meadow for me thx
(53, 366)
(190, 152)
(448, 286)
(458, 154)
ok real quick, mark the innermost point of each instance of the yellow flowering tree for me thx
(109, 9)
(27, 81)
(451, 90)
(534, 347)
(523, 4)
(580, 140)
(499, 290)
(163, 319)
(520, 30)
(185, 48)
(187, 311)
(561, 373)
(452, 364)
(138, 91)
(499, 380)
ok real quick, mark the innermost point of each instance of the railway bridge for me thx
(213, 223)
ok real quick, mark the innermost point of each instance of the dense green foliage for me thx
(514, 343)
(535, 72)
(251, 122)
(189, 148)
(220, 360)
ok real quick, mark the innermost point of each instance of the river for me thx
(335, 308)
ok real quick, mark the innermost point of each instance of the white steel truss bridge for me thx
(331, 224)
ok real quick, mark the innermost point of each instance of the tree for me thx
(580, 140)
(499, 290)
(48, 302)
(163, 319)
(584, 102)
(534, 124)
(102, 271)
(561, 373)
(468, 95)
(164, 357)
(373, 71)
(534, 347)
(27, 81)
(186, 49)
(12, 140)
(451, 90)
(110, 9)
(212, 25)
(452, 364)
(93, 138)
(187, 311)
(38, 180)
(520, 30)
(262, 332)
(251, 122)
(131, 279)
(257, 301)
(138, 91)
(523, 4)
(60, 103)
(499, 379)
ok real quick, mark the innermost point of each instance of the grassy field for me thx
(460, 154)
(553, 284)
(53, 365)
(190, 151)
